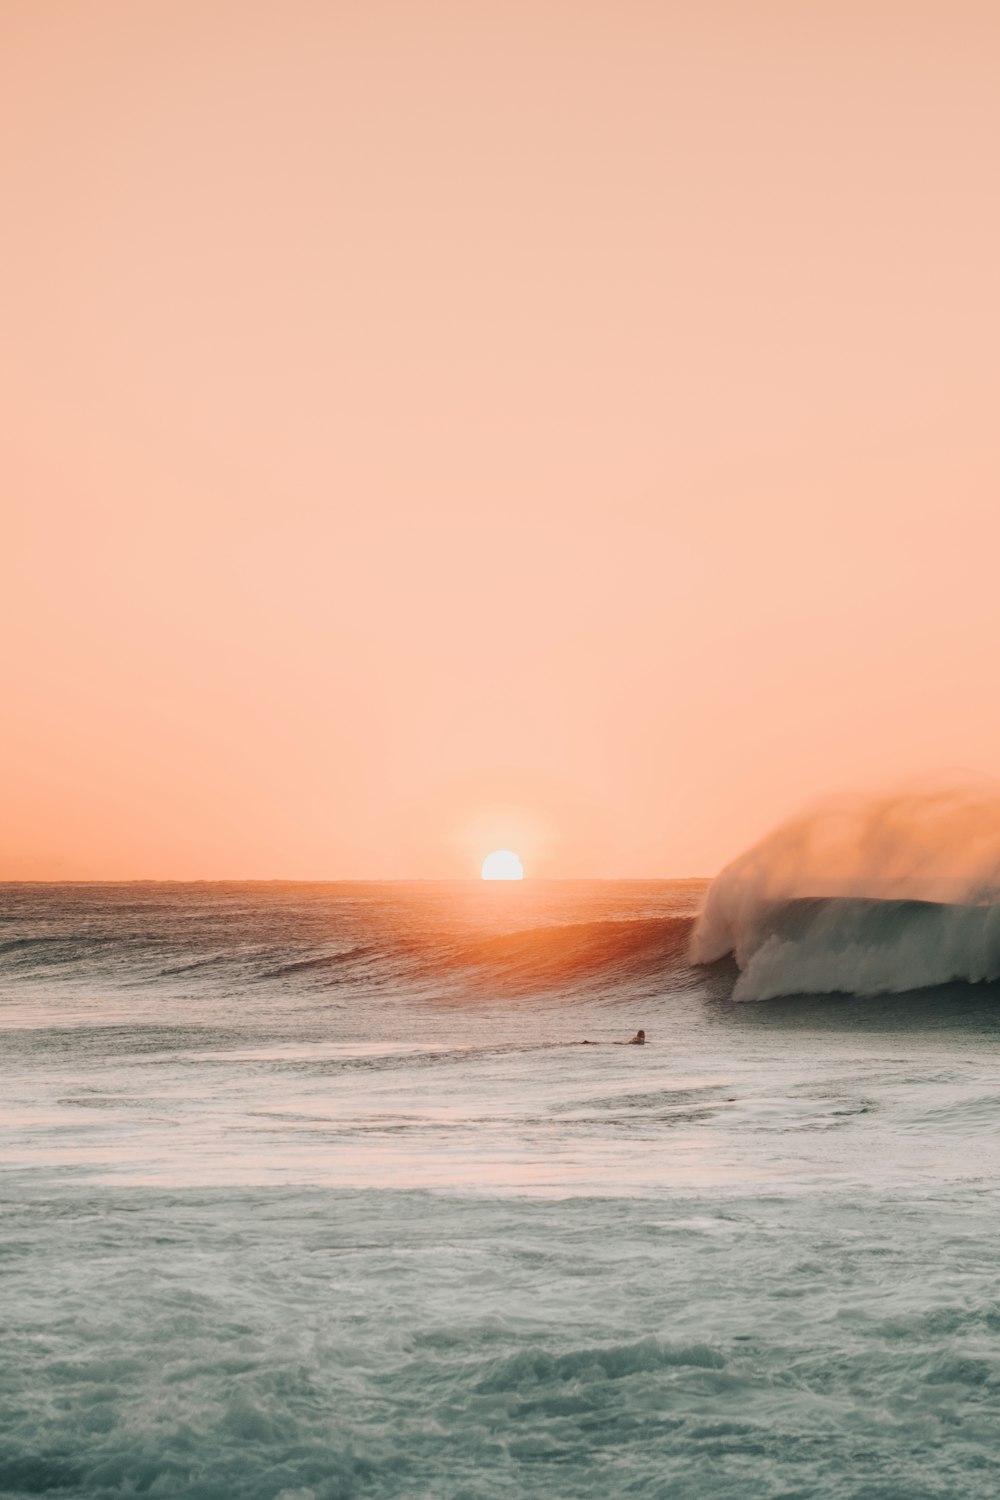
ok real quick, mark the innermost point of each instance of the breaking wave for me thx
(857, 947)
(863, 899)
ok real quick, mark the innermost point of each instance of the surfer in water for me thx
(639, 1040)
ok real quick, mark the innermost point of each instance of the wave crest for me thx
(863, 898)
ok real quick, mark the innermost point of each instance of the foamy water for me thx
(311, 1191)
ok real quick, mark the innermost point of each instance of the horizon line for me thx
(348, 880)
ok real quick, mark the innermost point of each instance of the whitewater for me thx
(310, 1191)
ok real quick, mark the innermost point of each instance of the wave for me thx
(578, 953)
(422, 944)
(530, 1369)
(831, 945)
(324, 961)
(863, 899)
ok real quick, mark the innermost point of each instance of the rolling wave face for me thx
(863, 898)
(575, 954)
(848, 946)
(244, 944)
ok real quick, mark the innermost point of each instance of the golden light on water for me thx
(502, 864)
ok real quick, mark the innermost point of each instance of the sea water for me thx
(312, 1191)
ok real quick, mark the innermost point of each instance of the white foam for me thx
(941, 848)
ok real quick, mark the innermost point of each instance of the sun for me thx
(502, 865)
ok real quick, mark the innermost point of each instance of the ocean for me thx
(310, 1191)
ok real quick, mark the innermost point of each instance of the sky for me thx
(430, 427)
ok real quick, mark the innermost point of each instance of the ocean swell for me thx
(578, 953)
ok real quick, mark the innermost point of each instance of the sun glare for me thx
(502, 865)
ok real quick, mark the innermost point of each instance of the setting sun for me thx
(502, 865)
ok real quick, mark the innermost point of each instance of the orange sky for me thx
(433, 426)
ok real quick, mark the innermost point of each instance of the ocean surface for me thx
(311, 1191)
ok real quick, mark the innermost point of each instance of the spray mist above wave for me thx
(863, 897)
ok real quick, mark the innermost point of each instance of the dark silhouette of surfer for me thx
(639, 1040)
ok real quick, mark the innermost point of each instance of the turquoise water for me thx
(310, 1192)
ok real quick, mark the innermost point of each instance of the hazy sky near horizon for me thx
(434, 426)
